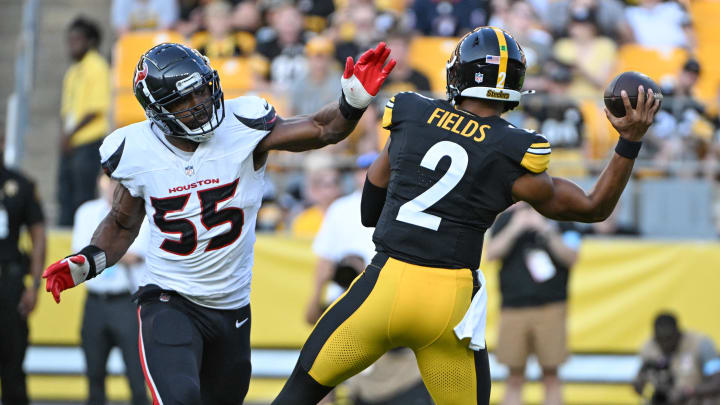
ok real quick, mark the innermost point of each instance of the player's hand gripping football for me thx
(361, 81)
(65, 274)
(636, 120)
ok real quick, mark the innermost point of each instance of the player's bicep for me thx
(553, 197)
(126, 215)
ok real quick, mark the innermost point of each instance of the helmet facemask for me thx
(200, 120)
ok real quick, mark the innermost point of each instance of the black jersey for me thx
(451, 174)
(19, 206)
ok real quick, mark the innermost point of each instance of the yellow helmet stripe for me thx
(502, 69)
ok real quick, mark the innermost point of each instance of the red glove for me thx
(361, 81)
(65, 274)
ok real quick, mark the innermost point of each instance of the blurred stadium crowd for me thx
(291, 53)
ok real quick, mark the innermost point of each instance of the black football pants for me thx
(13, 335)
(193, 355)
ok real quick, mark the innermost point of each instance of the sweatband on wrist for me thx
(96, 260)
(349, 112)
(628, 149)
(371, 203)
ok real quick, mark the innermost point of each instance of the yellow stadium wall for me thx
(615, 290)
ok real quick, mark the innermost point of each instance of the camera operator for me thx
(673, 364)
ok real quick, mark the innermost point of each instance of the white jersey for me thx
(202, 208)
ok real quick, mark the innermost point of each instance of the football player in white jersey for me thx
(196, 168)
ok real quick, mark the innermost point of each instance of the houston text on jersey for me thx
(193, 185)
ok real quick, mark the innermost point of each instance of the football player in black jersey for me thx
(449, 167)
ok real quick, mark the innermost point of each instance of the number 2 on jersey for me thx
(412, 211)
(210, 218)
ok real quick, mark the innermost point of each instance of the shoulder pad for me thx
(111, 151)
(124, 154)
(403, 105)
(253, 112)
(530, 149)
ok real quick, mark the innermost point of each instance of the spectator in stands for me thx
(283, 44)
(344, 247)
(499, 10)
(448, 18)
(673, 361)
(133, 15)
(356, 30)
(322, 187)
(220, 41)
(246, 17)
(316, 13)
(110, 316)
(536, 257)
(190, 16)
(84, 116)
(403, 77)
(320, 86)
(522, 21)
(661, 24)
(19, 207)
(592, 57)
(609, 17)
(682, 130)
(553, 112)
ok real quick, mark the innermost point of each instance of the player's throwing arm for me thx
(561, 199)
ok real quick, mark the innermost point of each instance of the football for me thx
(628, 81)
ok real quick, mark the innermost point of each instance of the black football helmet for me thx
(167, 73)
(487, 63)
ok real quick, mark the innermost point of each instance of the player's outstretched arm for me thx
(562, 199)
(361, 82)
(111, 240)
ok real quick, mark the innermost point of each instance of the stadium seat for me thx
(126, 109)
(130, 47)
(657, 64)
(235, 74)
(429, 55)
(705, 15)
(198, 39)
(245, 40)
(601, 136)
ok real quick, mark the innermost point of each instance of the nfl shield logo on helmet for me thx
(478, 77)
